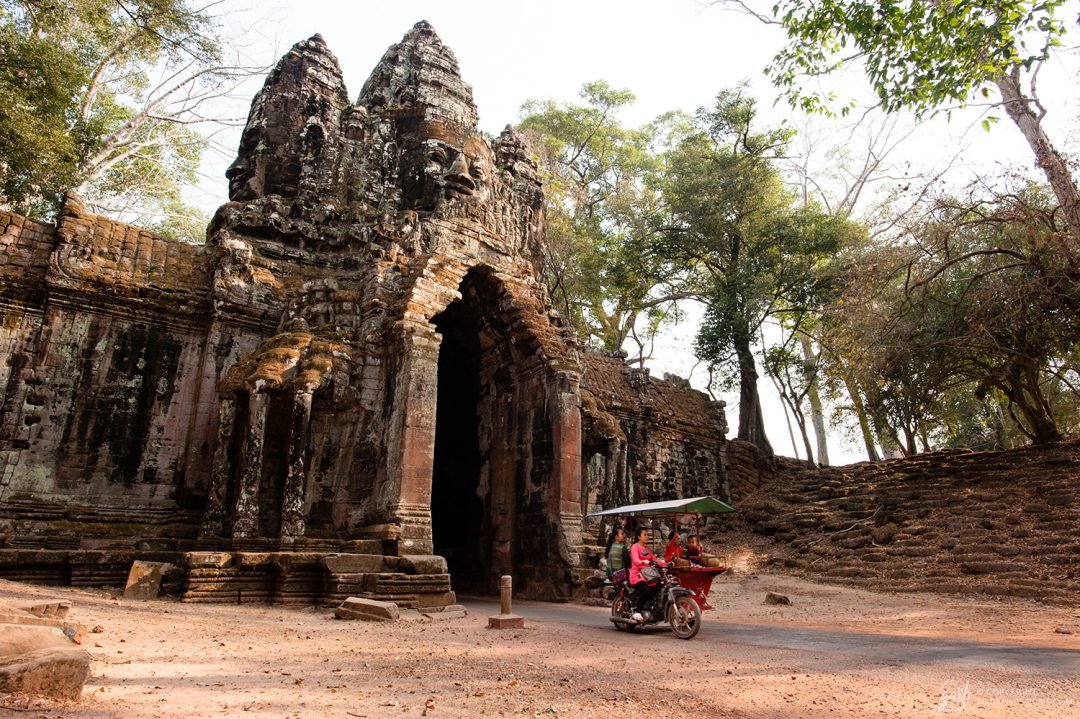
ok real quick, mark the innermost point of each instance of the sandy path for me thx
(835, 652)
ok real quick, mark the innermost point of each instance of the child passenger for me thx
(693, 551)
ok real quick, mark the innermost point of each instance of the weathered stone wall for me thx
(954, 521)
(747, 468)
(104, 336)
(648, 439)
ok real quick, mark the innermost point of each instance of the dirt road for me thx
(835, 652)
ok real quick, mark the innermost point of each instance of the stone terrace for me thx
(957, 521)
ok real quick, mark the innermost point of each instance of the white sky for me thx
(673, 54)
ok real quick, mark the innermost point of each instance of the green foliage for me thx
(967, 329)
(917, 54)
(602, 212)
(97, 96)
(753, 250)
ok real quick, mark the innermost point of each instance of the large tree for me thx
(602, 215)
(101, 97)
(751, 247)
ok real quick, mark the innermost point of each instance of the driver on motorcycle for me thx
(640, 557)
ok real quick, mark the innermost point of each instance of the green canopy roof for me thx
(695, 505)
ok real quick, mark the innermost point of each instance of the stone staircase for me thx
(955, 521)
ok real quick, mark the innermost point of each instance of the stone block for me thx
(368, 610)
(53, 610)
(41, 660)
(382, 531)
(423, 564)
(72, 630)
(353, 563)
(144, 580)
(416, 546)
(989, 567)
(207, 559)
(506, 621)
(253, 559)
(1060, 499)
(436, 599)
(362, 546)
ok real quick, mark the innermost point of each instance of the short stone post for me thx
(505, 619)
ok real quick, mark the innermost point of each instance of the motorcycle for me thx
(673, 604)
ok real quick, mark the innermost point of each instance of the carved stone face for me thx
(238, 175)
(441, 163)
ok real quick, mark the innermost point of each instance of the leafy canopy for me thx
(91, 91)
(751, 250)
(602, 211)
(917, 55)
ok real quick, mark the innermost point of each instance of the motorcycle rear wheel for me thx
(684, 616)
(622, 607)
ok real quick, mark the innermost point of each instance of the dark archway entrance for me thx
(460, 499)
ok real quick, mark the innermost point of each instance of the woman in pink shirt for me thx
(641, 556)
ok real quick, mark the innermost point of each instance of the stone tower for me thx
(415, 379)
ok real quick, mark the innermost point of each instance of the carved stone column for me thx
(292, 505)
(213, 524)
(411, 444)
(566, 428)
(247, 499)
(565, 497)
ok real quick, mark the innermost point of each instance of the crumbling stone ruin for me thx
(356, 387)
(955, 521)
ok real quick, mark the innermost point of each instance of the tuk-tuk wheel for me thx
(684, 616)
(622, 607)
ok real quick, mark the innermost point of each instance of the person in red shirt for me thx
(674, 549)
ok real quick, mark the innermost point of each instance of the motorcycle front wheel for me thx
(684, 616)
(622, 607)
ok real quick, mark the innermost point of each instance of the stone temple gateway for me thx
(358, 386)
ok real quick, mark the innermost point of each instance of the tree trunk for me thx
(864, 421)
(751, 422)
(1025, 394)
(1020, 110)
(817, 415)
(800, 419)
(785, 402)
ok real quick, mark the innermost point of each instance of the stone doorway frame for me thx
(414, 387)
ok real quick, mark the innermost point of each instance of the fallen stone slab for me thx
(52, 610)
(368, 610)
(144, 580)
(41, 660)
(774, 598)
(454, 611)
(72, 630)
